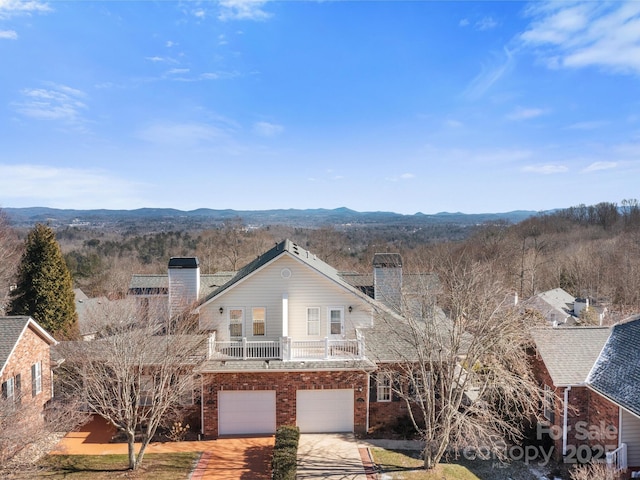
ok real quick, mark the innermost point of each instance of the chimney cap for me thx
(183, 262)
(390, 260)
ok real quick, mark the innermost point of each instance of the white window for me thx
(313, 321)
(336, 323)
(548, 410)
(384, 386)
(36, 378)
(236, 320)
(259, 315)
(146, 390)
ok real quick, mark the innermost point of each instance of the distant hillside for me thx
(203, 217)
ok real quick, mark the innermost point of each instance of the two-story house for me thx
(25, 375)
(289, 341)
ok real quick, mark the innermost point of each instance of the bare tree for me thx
(135, 375)
(464, 376)
(9, 258)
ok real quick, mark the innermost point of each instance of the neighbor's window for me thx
(313, 321)
(8, 390)
(236, 316)
(549, 403)
(384, 387)
(36, 378)
(259, 315)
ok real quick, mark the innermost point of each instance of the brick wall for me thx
(591, 419)
(30, 349)
(286, 384)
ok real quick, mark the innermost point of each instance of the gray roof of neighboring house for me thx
(159, 283)
(11, 329)
(554, 304)
(616, 373)
(569, 353)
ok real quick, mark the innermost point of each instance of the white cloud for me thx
(464, 22)
(489, 75)
(545, 169)
(266, 129)
(588, 125)
(158, 59)
(178, 71)
(57, 102)
(486, 23)
(597, 166)
(10, 8)
(8, 35)
(242, 10)
(404, 176)
(453, 123)
(170, 44)
(182, 134)
(586, 34)
(65, 187)
(521, 113)
(200, 13)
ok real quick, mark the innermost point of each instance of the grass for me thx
(407, 465)
(166, 466)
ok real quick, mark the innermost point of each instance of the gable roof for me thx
(569, 353)
(11, 330)
(158, 284)
(554, 304)
(616, 373)
(287, 247)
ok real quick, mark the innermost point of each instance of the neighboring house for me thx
(591, 379)
(287, 336)
(25, 371)
(560, 308)
(85, 307)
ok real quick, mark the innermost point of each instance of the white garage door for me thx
(246, 412)
(325, 410)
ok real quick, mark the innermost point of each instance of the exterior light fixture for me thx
(350, 309)
(221, 310)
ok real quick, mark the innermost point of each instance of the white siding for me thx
(631, 436)
(304, 288)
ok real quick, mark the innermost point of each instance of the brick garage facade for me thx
(286, 385)
(592, 420)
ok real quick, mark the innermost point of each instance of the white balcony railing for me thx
(286, 349)
(617, 459)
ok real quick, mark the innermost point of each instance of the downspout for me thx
(565, 420)
(202, 405)
(368, 400)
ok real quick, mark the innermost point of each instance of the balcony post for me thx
(326, 348)
(244, 348)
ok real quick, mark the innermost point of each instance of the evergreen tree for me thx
(44, 285)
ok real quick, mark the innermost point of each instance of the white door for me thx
(243, 412)
(325, 411)
(630, 435)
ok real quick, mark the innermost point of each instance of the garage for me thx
(243, 412)
(324, 411)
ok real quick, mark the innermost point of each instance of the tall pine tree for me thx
(44, 285)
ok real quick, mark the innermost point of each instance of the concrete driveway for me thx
(329, 456)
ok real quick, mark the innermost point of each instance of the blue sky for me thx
(401, 106)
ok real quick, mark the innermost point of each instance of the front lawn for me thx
(407, 465)
(165, 466)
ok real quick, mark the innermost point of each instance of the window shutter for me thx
(33, 380)
(4, 390)
(373, 388)
(18, 388)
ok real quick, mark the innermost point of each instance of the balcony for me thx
(286, 349)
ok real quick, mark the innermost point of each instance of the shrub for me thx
(285, 453)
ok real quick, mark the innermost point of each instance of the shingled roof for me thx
(616, 373)
(569, 353)
(11, 330)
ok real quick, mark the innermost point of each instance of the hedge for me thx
(285, 453)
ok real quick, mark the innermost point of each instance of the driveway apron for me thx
(329, 456)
